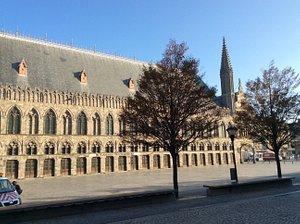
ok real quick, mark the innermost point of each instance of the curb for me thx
(21, 214)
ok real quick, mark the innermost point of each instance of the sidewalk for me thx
(191, 179)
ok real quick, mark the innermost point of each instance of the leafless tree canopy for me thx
(172, 106)
(271, 109)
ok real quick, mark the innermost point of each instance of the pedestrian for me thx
(17, 187)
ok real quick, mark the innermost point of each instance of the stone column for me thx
(102, 164)
(73, 166)
(41, 124)
(40, 167)
(2, 122)
(116, 164)
(128, 163)
(88, 164)
(21, 172)
(151, 161)
(23, 125)
(140, 161)
(57, 171)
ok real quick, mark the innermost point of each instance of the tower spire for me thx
(226, 75)
(225, 63)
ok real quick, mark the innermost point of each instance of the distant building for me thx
(59, 109)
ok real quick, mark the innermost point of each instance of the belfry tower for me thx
(226, 75)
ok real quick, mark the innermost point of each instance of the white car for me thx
(8, 194)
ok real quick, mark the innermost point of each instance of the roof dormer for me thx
(131, 84)
(22, 68)
(83, 77)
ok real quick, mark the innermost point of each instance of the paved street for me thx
(253, 208)
(262, 207)
(272, 206)
(281, 208)
(47, 190)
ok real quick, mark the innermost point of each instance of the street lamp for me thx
(241, 158)
(232, 133)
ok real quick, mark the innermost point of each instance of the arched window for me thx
(224, 146)
(96, 147)
(156, 148)
(96, 125)
(14, 121)
(134, 148)
(13, 149)
(145, 148)
(185, 148)
(193, 147)
(81, 148)
(81, 124)
(217, 147)
(209, 147)
(67, 123)
(49, 148)
(66, 148)
(109, 125)
(201, 147)
(109, 148)
(122, 148)
(33, 122)
(50, 123)
(31, 148)
(216, 131)
(121, 127)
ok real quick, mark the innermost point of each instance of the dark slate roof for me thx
(56, 67)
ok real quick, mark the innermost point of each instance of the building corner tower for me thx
(226, 75)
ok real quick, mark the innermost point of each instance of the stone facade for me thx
(47, 132)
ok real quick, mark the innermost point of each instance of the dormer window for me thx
(83, 77)
(131, 84)
(22, 68)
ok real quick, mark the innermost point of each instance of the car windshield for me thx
(6, 186)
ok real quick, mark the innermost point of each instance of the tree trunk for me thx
(175, 175)
(278, 163)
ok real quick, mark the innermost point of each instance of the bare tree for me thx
(172, 106)
(271, 109)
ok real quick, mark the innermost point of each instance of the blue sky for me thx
(256, 31)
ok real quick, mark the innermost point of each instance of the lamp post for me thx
(253, 151)
(241, 158)
(232, 133)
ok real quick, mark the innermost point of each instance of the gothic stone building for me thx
(59, 109)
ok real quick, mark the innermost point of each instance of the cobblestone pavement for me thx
(272, 206)
(191, 180)
(281, 209)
